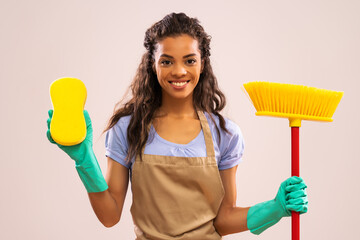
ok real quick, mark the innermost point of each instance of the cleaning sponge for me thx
(68, 96)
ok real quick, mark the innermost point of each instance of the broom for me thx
(295, 102)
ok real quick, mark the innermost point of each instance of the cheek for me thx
(162, 73)
(161, 77)
(159, 74)
(198, 73)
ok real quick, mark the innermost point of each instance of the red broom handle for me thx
(295, 171)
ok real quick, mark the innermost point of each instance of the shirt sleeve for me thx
(231, 146)
(116, 142)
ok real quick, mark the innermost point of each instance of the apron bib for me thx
(177, 197)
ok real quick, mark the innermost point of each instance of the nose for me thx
(178, 70)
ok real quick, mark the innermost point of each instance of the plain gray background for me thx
(309, 42)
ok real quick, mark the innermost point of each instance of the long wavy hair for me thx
(146, 90)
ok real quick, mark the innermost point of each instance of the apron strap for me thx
(210, 152)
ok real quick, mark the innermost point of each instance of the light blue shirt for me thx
(228, 151)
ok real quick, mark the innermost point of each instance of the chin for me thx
(179, 95)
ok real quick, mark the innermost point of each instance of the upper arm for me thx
(231, 147)
(117, 178)
(228, 178)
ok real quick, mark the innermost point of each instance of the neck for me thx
(177, 108)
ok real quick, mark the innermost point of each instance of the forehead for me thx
(182, 45)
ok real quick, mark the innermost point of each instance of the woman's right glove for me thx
(85, 160)
(291, 196)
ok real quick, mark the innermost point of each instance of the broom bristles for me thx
(293, 101)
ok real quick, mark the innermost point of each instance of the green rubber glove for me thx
(291, 196)
(85, 160)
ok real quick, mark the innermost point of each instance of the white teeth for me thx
(179, 84)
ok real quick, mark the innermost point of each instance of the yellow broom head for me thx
(295, 102)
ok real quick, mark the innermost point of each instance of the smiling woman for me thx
(179, 152)
(178, 51)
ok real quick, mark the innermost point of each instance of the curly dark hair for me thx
(146, 90)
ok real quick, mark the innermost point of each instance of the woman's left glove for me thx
(291, 196)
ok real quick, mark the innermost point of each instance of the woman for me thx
(178, 151)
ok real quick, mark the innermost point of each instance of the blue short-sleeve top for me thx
(228, 151)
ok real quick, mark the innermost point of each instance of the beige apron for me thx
(177, 197)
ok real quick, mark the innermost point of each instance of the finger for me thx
(297, 208)
(294, 180)
(297, 201)
(304, 209)
(296, 194)
(48, 123)
(50, 113)
(295, 187)
(291, 181)
(87, 118)
(48, 134)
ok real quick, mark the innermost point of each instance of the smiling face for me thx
(178, 66)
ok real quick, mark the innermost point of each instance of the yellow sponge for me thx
(68, 125)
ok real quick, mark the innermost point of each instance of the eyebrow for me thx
(186, 56)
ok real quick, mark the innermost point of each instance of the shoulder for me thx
(125, 120)
(230, 145)
(118, 133)
(230, 125)
(122, 124)
(116, 141)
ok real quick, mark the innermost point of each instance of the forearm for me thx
(105, 207)
(231, 220)
(108, 204)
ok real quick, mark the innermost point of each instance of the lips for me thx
(180, 84)
(179, 81)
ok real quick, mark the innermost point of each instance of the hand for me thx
(85, 160)
(292, 196)
(76, 152)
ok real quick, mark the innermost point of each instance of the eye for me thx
(165, 62)
(191, 61)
